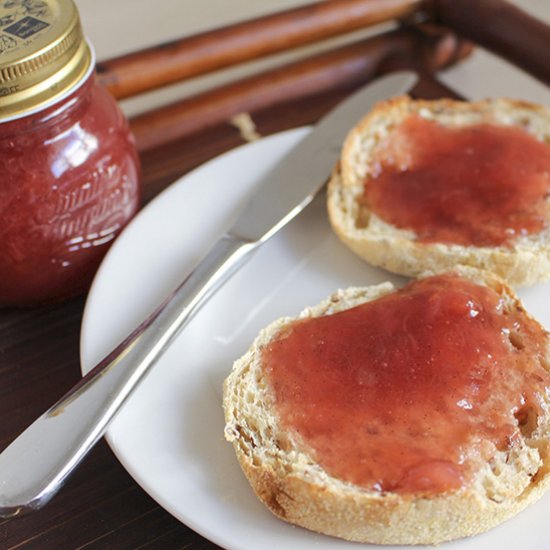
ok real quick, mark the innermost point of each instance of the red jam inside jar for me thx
(70, 183)
(70, 171)
(410, 392)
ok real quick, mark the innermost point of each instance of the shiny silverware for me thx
(35, 465)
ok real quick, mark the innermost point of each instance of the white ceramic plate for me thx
(169, 436)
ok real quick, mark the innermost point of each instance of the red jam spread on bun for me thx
(479, 185)
(401, 394)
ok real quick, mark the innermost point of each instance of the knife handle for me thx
(502, 28)
(34, 466)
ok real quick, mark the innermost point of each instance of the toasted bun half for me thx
(285, 476)
(525, 261)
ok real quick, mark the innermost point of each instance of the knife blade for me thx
(34, 466)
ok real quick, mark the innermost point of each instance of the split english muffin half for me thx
(428, 185)
(397, 416)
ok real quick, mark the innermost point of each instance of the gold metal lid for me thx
(43, 54)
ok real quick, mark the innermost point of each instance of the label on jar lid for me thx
(21, 22)
(43, 53)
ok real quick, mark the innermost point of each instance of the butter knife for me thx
(34, 466)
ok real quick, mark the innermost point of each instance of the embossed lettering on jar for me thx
(70, 172)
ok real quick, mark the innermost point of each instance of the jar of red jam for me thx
(69, 170)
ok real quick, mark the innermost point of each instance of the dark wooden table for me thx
(101, 506)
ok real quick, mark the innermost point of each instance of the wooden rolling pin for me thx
(171, 62)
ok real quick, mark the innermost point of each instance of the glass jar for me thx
(70, 171)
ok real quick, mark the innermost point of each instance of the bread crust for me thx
(296, 489)
(525, 262)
